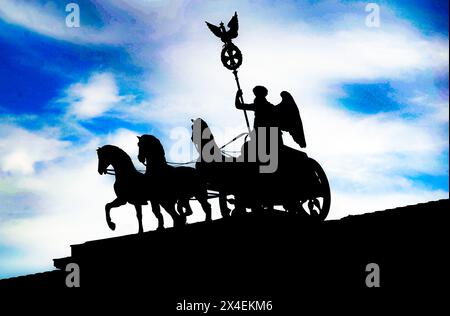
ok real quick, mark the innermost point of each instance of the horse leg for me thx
(202, 197)
(180, 207)
(239, 208)
(156, 209)
(224, 209)
(184, 203)
(116, 203)
(178, 220)
(188, 208)
(139, 217)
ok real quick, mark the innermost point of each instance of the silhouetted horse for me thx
(221, 175)
(298, 179)
(132, 187)
(177, 184)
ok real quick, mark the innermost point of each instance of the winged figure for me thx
(224, 35)
(290, 120)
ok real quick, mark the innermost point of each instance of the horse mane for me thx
(155, 146)
(203, 126)
(119, 153)
(198, 128)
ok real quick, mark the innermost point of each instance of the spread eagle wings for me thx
(232, 32)
(215, 29)
(233, 26)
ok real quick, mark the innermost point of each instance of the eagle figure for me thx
(226, 36)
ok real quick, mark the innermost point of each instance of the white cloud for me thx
(425, 104)
(70, 199)
(49, 19)
(370, 155)
(21, 150)
(94, 97)
(300, 59)
(146, 19)
(355, 203)
(127, 140)
(69, 203)
(368, 158)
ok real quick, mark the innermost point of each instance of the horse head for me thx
(201, 134)
(104, 160)
(150, 148)
(113, 155)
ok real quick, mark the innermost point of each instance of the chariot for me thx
(298, 184)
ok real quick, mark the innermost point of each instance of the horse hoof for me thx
(160, 228)
(111, 225)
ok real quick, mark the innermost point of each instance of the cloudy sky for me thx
(374, 101)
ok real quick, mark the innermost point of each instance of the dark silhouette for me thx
(132, 187)
(298, 180)
(266, 116)
(298, 183)
(259, 256)
(267, 255)
(284, 116)
(289, 118)
(221, 175)
(230, 56)
(220, 32)
(175, 184)
(265, 112)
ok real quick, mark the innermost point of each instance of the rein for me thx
(226, 152)
(234, 139)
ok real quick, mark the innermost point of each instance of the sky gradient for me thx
(374, 101)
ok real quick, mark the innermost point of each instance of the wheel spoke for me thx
(231, 57)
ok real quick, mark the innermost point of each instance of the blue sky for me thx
(374, 102)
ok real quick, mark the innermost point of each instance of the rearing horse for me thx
(132, 187)
(219, 174)
(175, 183)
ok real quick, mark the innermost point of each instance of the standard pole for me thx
(242, 99)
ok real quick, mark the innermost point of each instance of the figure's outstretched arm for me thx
(240, 105)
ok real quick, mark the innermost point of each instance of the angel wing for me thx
(233, 26)
(289, 118)
(215, 29)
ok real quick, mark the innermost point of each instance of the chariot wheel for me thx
(231, 57)
(317, 205)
